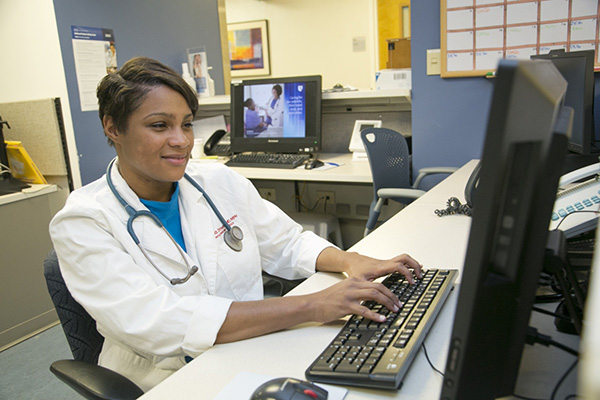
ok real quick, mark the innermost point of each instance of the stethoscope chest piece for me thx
(233, 238)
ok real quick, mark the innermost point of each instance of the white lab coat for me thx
(150, 325)
(275, 112)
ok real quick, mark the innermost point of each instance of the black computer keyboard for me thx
(266, 160)
(370, 354)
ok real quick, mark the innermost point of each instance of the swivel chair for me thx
(83, 373)
(391, 169)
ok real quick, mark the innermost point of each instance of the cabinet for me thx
(24, 243)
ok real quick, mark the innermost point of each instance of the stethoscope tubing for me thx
(233, 235)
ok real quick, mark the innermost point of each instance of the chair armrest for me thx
(404, 193)
(95, 382)
(423, 172)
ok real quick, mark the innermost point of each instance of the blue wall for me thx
(449, 116)
(153, 28)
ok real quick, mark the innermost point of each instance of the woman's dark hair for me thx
(121, 93)
(278, 89)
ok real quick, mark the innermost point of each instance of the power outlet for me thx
(329, 197)
(268, 194)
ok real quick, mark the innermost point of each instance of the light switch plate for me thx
(434, 61)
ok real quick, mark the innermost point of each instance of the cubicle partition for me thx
(25, 305)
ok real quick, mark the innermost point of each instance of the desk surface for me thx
(348, 171)
(33, 191)
(434, 241)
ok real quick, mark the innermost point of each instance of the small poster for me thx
(95, 56)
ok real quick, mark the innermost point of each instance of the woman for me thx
(274, 107)
(159, 303)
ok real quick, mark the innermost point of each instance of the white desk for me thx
(349, 171)
(435, 242)
(418, 231)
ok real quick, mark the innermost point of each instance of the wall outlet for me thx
(328, 197)
(268, 194)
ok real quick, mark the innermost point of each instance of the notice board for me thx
(475, 34)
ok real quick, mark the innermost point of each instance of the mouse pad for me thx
(245, 383)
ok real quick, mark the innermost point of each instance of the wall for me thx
(152, 28)
(32, 66)
(315, 37)
(449, 116)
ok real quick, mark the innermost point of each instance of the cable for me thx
(429, 361)
(561, 380)
(575, 212)
(454, 206)
(542, 311)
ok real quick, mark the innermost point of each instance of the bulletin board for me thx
(476, 34)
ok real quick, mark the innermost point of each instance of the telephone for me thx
(218, 144)
(578, 192)
(581, 196)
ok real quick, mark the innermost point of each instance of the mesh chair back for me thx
(79, 327)
(389, 160)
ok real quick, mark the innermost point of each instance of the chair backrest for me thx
(389, 158)
(79, 327)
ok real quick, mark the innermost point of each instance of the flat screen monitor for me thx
(577, 67)
(520, 168)
(276, 115)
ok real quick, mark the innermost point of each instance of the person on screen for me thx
(252, 121)
(196, 281)
(274, 107)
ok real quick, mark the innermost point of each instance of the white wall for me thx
(315, 37)
(32, 65)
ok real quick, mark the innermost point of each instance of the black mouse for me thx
(313, 163)
(289, 389)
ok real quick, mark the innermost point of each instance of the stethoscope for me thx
(233, 235)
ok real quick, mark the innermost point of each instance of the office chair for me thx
(83, 373)
(391, 169)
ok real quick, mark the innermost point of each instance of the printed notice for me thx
(95, 55)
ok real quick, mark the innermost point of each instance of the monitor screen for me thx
(276, 115)
(577, 67)
(520, 168)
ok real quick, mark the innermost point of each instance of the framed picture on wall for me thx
(249, 48)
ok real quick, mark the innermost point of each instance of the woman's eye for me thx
(158, 125)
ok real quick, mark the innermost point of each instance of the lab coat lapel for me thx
(197, 227)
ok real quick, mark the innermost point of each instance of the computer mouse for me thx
(313, 163)
(289, 389)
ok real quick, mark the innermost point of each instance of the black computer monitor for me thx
(276, 115)
(520, 168)
(577, 67)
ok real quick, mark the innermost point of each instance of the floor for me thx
(25, 370)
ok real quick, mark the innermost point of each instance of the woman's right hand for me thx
(345, 298)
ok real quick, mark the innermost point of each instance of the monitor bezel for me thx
(311, 143)
(588, 136)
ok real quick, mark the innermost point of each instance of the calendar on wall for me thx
(476, 34)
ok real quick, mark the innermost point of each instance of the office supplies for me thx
(21, 164)
(266, 160)
(520, 168)
(370, 354)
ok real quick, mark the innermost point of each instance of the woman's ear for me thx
(110, 129)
